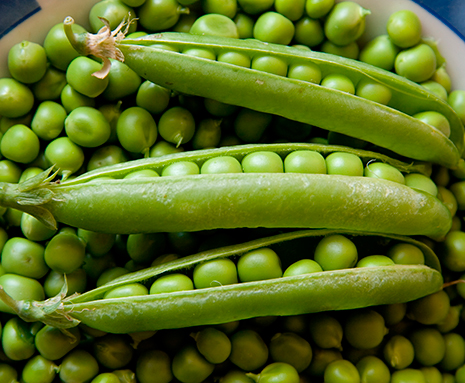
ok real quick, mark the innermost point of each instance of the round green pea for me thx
(421, 182)
(384, 171)
(259, 265)
(129, 290)
(170, 283)
(176, 125)
(190, 366)
(270, 64)
(27, 62)
(213, 344)
(152, 97)
(78, 366)
(398, 352)
(87, 127)
(20, 288)
(79, 76)
(341, 368)
(248, 350)
(24, 257)
(336, 252)
(159, 15)
(309, 32)
(218, 272)
(374, 261)
(373, 370)
(404, 28)
(181, 168)
(262, 162)
(344, 164)
(303, 266)
(374, 91)
(49, 119)
(364, 329)
(273, 27)
(220, 165)
(380, 52)
(406, 254)
(154, 366)
(215, 24)
(338, 82)
(318, 8)
(417, 63)
(306, 72)
(20, 144)
(16, 99)
(436, 119)
(122, 81)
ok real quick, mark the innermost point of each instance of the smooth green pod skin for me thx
(298, 100)
(330, 290)
(217, 200)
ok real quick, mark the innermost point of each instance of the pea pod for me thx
(208, 201)
(390, 126)
(320, 291)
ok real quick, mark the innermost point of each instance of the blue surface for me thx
(14, 12)
(450, 12)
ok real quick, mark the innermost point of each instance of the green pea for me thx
(452, 319)
(384, 171)
(48, 121)
(20, 144)
(398, 352)
(442, 77)
(438, 120)
(78, 366)
(408, 375)
(114, 11)
(318, 8)
(220, 165)
(87, 127)
(301, 161)
(136, 130)
(154, 366)
(351, 50)
(254, 7)
(39, 370)
(97, 243)
(159, 15)
(152, 97)
(171, 283)
(262, 162)
(336, 252)
(417, 63)
(432, 374)
(364, 329)
(9, 171)
(454, 356)
(65, 155)
(215, 24)
(341, 369)
(431, 309)
(260, 264)
(27, 62)
(406, 254)
(20, 288)
(404, 28)
(112, 351)
(76, 282)
(65, 243)
(218, 272)
(24, 257)
(235, 58)
(105, 156)
(236, 376)
(129, 290)
(373, 370)
(145, 173)
(79, 77)
(8, 373)
(429, 346)
(181, 168)
(380, 52)
(50, 86)
(189, 366)
(250, 125)
(326, 331)
(309, 32)
(304, 266)
(374, 91)
(270, 64)
(345, 22)
(274, 27)
(200, 52)
(17, 339)
(227, 8)
(338, 82)
(374, 261)
(435, 87)
(110, 274)
(72, 99)
(308, 72)
(421, 182)
(176, 125)
(122, 81)
(213, 344)
(248, 350)
(291, 349)
(244, 24)
(16, 99)
(106, 377)
(207, 134)
(277, 372)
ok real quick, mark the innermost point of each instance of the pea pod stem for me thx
(391, 127)
(321, 291)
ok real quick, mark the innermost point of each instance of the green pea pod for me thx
(320, 291)
(389, 126)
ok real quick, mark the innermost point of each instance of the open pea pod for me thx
(95, 201)
(389, 126)
(291, 295)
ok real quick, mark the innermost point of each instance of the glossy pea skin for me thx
(404, 28)
(77, 282)
(374, 261)
(9, 171)
(398, 352)
(162, 148)
(338, 82)
(39, 370)
(114, 11)
(364, 329)
(27, 62)
(384, 171)
(170, 283)
(16, 99)
(301, 161)
(189, 366)
(408, 375)
(17, 339)
(106, 377)
(65, 243)
(421, 182)
(304, 266)
(50, 86)
(374, 91)
(19, 288)
(207, 134)
(326, 331)
(273, 27)
(227, 8)
(406, 254)
(8, 373)
(87, 127)
(129, 290)
(454, 355)
(277, 372)
(112, 351)
(136, 130)
(259, 265)
(254, 7)
(79, 77)
(97, 243)
(293, 10)
(344, 164)
(417, 63)
(220, 165)
(336, 252)
(78, 366)
(292, 349)
(318, 8)
(24, 257)
(213, 344)
(122, 81)
(380, 52)
(105, 156)
(309, 32)
(262, 162)
(20, 144)
(438, 120)
(341, 371)
(431, 309)
(152, 97)
(181, 168)
(154, 366)
(217, 272)
(48, 121)
(456, 100)
(158, 15)
(373, 370)
(215, 25)
(249, 351)
(429, 345)
(176, 125)
(345, 23)
(270, 64)
(351, 50)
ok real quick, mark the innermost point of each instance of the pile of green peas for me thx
(53, 112)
